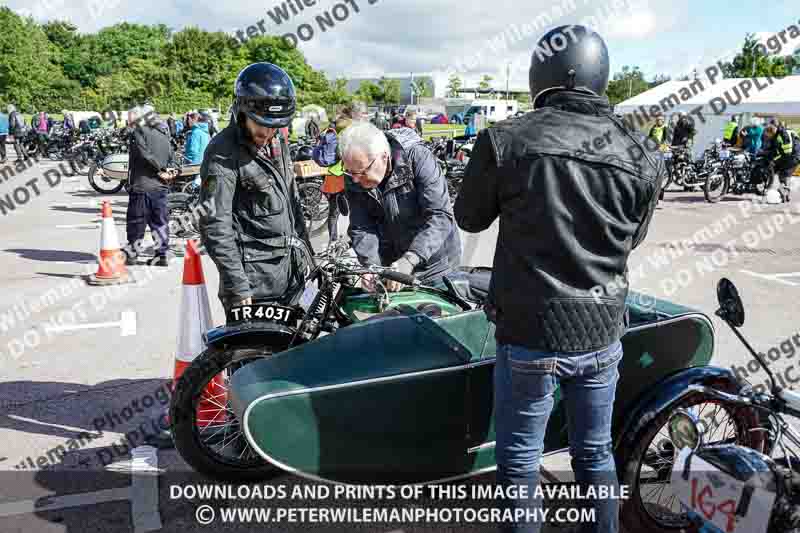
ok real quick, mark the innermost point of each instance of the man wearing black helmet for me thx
(255, 232)
(574, 190)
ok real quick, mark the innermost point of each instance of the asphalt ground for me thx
(58, 388)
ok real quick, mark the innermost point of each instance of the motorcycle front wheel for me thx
(102, 184)
(716, 186)
(647, 468)
(205, 429)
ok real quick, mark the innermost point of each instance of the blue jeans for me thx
(148, 209)
(524, 383)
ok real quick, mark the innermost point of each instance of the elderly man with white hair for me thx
(400, 210)
(151, 165)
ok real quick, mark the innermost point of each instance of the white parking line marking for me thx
(78, 226)
(144, 488)
(126, 323)
(787, 275)
(75, 430)
(53, 503)
(771, 277)
(142, 493)
(88, 203)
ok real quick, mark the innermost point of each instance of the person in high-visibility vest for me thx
(659, 131)
(785, 154)
(731, 132)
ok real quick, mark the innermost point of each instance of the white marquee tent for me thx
(718, 101)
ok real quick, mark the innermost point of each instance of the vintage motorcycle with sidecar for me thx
(396, 388)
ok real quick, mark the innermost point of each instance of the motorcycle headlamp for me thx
(684, 430)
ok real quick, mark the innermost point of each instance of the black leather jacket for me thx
(575, 192)
(254, 229)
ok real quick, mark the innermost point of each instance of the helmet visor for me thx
(268, 113)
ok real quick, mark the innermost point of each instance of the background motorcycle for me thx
(741, 173)
(452, 168)
(313, 201)
(681, 170)
(729, 487)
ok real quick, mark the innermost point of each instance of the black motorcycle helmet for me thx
(568, 57)
(264, 93)
(304, 153)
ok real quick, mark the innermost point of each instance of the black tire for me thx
(635, 514)
(84, 163)
(314, 203)
(669, 179)
(716, 187)
(195, 447)
(179, 204)
(102, 184)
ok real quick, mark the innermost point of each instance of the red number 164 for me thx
(703, 501)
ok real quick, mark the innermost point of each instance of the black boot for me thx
(131, 258)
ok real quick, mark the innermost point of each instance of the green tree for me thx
(485, 83)
(28, 74)
(311, 85)
(453, 85)
(422, 87)
(626, 84)
(390, 90)
(337, 94)
(752, 62)
(369, 93)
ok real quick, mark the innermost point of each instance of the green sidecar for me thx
(408, 398)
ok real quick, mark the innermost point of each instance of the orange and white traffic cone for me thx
(195, 320)
(111, 269)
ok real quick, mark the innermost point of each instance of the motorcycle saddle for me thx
(471, 283)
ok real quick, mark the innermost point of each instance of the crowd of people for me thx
(382, 174)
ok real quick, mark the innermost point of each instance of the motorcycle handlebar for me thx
(724, 396)
(399, 277)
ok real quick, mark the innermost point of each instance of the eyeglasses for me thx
(350, 173)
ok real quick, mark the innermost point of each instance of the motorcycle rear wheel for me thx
(219, 450)
(656, 453)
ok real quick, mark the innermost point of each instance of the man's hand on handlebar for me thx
(404, 265)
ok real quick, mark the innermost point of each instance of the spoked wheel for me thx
(103, 184)
(647, 469)
(715, 187)
(205, 430)
(179, 207)
(314, 203)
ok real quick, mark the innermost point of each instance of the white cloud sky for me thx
(423, 35)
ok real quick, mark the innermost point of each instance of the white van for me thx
(493, 110)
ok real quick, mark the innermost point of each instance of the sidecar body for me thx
(115, 166)
(408, 398)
